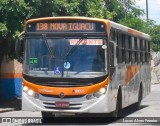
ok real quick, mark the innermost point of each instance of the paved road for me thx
(150, 107)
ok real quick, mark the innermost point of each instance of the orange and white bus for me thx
(76, 65)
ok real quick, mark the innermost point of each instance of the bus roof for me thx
(65, 17)
(128, 30)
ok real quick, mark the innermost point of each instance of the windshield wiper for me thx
(46, 43)
(75, 46)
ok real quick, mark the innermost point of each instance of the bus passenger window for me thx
(111, 45)
(133, 57)
(138, 58)
(127, 57)
(113, 35)
(120, 55)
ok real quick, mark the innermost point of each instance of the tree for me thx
(13, 14)
(123, 10)
(155, 33)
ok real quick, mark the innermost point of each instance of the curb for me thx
(6, 110)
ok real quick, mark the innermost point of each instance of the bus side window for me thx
(126, 49)
(136, 49)
(119, 48)
(111, 47)
(148, 52)
(130, 48)
(113, 35)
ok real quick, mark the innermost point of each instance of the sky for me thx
(153, 9)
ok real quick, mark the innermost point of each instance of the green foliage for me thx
(135, 23)
(3, 30)
(11, 22)
(124, 10)
(44, 8)
(155, 33)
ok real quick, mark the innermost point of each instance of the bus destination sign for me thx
(66, 27)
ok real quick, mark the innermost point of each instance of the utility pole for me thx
(147, 10)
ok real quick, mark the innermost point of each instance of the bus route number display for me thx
(65, 26)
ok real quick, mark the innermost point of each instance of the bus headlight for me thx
(102, 90)
(30, 92)
(33, 94)
(96, 94)
(25, 88)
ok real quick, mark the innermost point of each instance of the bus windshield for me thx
(87, 59)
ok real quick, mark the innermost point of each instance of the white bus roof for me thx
(128, 30)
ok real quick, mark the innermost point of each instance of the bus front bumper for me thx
(76, 105)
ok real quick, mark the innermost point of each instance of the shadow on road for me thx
(14, 103)
(131, 109)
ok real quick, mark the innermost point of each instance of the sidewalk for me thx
(10, 105)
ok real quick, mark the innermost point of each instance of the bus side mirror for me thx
(19, 47)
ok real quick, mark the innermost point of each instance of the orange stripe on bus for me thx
(108, 28)
(130, 73)
(10, 75)
(67, 91)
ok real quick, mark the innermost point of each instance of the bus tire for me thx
(47, 116)
(137, 105)
(118, 111)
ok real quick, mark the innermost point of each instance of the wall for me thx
(10, 80)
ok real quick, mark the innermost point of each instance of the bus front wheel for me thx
(117, 112)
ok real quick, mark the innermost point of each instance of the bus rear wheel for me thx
(137, 105)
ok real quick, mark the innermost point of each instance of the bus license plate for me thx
(62, 104)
